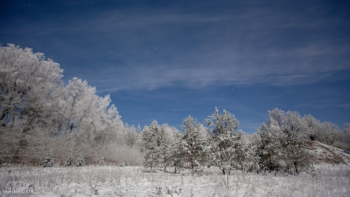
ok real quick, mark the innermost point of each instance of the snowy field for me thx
(134, 181)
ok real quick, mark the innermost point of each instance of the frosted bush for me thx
(81, 161)
(70, 160)
(102, 161)
(48, 163)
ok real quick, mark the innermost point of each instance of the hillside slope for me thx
(324, 153)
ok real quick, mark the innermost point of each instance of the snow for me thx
(328, 180)
(326, 153)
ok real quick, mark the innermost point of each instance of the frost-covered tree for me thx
(268, 149)
(296, 154)
(345, 137)
(194, 143)
(26, 84)
(275, 122)
(130, 135)
(225, 146)
(280, 147)
(328, 133)
(312, 127)
(114, 125)
(83, 108)
(293, 123)
(27, 94)
(38, 112)
(347, 129)
(250, 147)
(26, 80)
(139, 138)
(167, 140)
(151, 139)
(294, 148)
(177, 151)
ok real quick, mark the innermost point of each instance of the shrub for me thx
(81, 161)
(70, 160)
(48, 163)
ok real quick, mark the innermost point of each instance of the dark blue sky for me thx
(166, 60)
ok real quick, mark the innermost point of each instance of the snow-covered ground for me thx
(324, 153)
(329, 180)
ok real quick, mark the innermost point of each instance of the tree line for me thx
(282, 143)
(40, 116)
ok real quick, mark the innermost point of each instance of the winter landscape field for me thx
(327, 180)
(155, 98)
(65, 140)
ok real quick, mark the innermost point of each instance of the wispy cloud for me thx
(148, 49)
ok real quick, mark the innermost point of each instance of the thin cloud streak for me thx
(158, 77)
(152, 49)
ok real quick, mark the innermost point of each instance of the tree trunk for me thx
(13, 121)
(22, 144)
(296, 168)
(165, 162)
